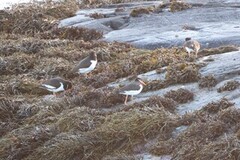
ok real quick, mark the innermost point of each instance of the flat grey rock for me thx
(212, 22)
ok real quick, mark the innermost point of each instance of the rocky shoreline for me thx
(189, 108)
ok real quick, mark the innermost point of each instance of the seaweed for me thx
(215, 107)
(229, 86)
(97, 15)
(72, 33)
(155, 85)
(16, 64)
(137, 12)
(120, 131)
(207, 81)
(31, 19)
(182, 73)
(91, 122)
(16, 87)
(158, 101)
(181, 95)
(162, 148)
(218, 50)
(176, 5)
(203, 131)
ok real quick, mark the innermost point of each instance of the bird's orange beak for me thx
(143, 83)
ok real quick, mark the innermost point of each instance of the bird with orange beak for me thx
(56, 85)
(132, 89)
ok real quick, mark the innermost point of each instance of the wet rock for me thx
(225, 66)
(163, 28)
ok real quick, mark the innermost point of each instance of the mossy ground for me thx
(76, 125)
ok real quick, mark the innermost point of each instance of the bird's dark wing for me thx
(130, 87)
(55, 82)
(85, 63)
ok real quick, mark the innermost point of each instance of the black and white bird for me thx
(56, 85)
(86, 65)
(132, 89)
(191, 46)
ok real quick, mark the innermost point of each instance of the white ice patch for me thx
(90, 68)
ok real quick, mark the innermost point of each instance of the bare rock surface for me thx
(212, 22)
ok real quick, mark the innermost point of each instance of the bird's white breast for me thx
(54, 89)
(90, 68)
(134, 92)
(189, 50)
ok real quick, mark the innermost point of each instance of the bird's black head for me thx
(187, 39)
(93, 55)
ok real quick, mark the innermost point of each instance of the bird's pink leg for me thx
(125, 102)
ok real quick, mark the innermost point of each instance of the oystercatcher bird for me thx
(191, 46)
(132, 89)
(56, 85)
(87, 64)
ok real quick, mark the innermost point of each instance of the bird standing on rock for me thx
(191, 46)
(87, 64)
(56, 85)
(132, 89)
